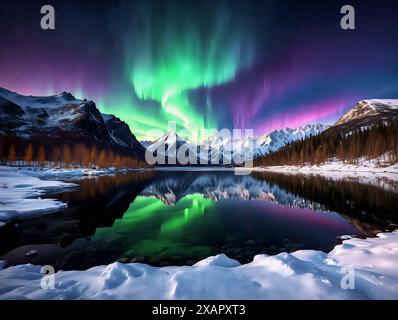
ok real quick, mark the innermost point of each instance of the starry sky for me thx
(260, 65)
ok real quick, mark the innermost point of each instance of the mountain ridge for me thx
(223, 148)
(369, 130)
(368, 112)
(64, 119)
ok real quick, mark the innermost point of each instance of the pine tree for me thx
(41, 156)
(93, 156)
(1, 149)
(28, 156)
(86, 158)
(117, 162)
(66, 156)
(102, 159)
(110, 157)
(56, 156)
(12, 155)
(78, 154)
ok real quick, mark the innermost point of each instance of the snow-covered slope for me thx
(120, 132)
(370, 109)
(168, 144)
(275, 140)
(251, 148)
(24, 102)
(63, 119)
(167, 147)
(365, 115)
(43, 112)
(146, 143)
(356, 269)
(224, 150)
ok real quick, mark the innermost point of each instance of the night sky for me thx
(259, 65)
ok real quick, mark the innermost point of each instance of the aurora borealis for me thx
(178, 55)
(259, 65)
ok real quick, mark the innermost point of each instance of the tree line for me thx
(378, 143)
(65, 156)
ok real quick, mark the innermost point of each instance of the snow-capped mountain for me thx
(120, 131)
(354, 137)
(219, 186)
(251, 148)
(367, 111)
(146, 143)
(220, 150)
(169, 144)
(225, 150)
(63, 119)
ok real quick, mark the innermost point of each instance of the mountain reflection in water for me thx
(174, 218)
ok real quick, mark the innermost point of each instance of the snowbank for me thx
(66, 173)
(367, 172)
(20, 195)
(305, 274)
(364, 166)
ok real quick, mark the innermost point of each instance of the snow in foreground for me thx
(66, 173)
(20, 195)
(304, 274)
(363, 167)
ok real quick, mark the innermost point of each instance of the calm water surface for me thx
(176, 218)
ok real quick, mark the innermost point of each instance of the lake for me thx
(178, 218)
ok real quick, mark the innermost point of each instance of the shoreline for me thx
(21, 195)
(325, 167)
(314, 273)
(22, 187)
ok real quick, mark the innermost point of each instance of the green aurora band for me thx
(171, 54)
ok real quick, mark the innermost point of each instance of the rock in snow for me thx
(345, 237)
(304, 274)
(31, 253)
